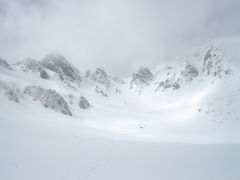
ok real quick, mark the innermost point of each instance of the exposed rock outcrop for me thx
(103, 82)
(99, 76)
(49, 99)
(12, 93)
(33, 65)
(141, 78)
(212, 61)
(43, 73)
(28, 64)
(58, 64)
(167, 84)
(189, 72)
(100, 91)
(83, 103)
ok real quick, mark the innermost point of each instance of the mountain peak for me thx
(141, 78)
(60, 65)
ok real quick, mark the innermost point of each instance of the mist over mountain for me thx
(119, 90)
(206, 78)
(118, 36)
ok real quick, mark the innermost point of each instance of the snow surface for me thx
(187, 134)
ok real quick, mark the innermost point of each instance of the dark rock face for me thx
(58, 64)
(43, 74)
(141, 78)
(49, 99)
(4, 64)
(83, 103)
(189, 72)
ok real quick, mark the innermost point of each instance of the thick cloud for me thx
(116, 35)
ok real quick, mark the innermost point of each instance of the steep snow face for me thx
(58, 64)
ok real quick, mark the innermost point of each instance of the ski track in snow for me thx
(90, 168)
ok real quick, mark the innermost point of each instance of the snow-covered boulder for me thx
(228, 71)
(64, 69)
(141, 78)
(49, 99)
(83, 103)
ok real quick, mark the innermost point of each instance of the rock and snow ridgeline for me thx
(203, 63)
(54, 67)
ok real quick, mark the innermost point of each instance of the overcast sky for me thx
(117, 35)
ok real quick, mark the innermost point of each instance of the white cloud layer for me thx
(115, 35)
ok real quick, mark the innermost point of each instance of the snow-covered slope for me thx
(194, 99)
(90, 125)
